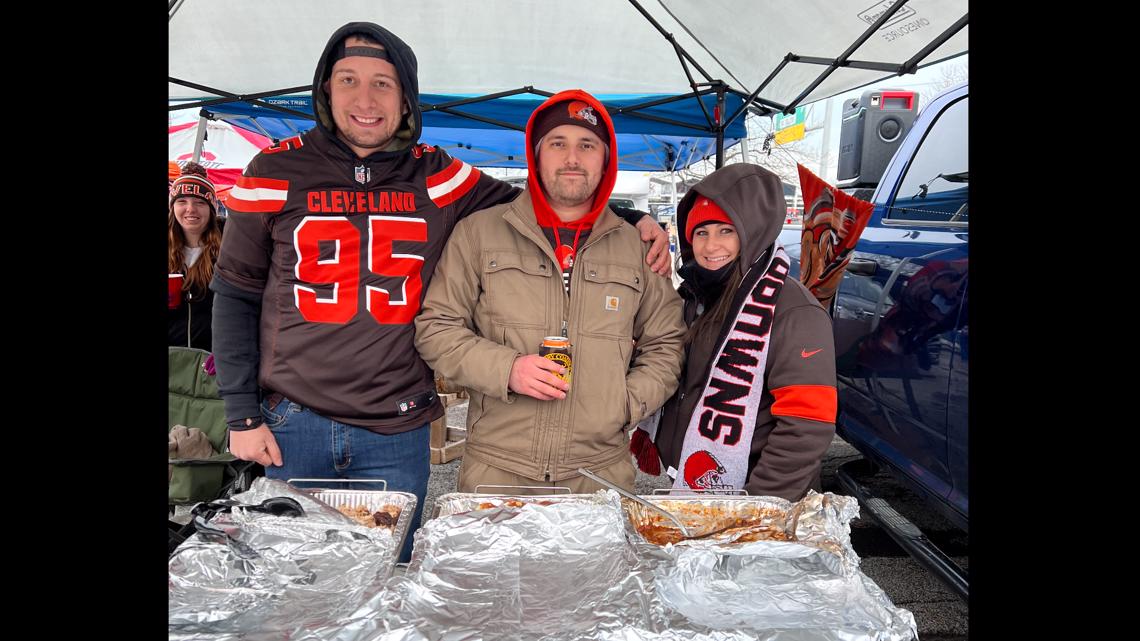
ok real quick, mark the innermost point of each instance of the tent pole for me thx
(755, 94)
(720, 126)
(910, 65)
(673, 41)
(200, 137)
(649, 144)
(841, 61)
(491, 96)
(230, 97)
(825, 146)
(692, 152)
(261, 129)
(172, 7)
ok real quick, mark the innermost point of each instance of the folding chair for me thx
(193, 401)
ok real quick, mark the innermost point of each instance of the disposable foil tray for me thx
(374, 500)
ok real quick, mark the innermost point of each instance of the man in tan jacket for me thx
(555, 262)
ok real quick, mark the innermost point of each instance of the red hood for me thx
(542, 210)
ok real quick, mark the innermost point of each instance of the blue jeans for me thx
(313, 446)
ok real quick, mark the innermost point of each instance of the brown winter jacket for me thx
(497, 292)
(796, 420)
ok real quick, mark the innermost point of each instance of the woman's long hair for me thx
(714, 314)
(198, 276)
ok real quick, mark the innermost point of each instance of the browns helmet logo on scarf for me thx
(582, 111)
(704, 472)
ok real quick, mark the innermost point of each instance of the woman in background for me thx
(194, 237)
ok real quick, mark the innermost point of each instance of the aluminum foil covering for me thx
(319, 576)
(636, 634)
(455, 502)
(559, 571)
(807, 588)
(575, 569)
(818, 520)
(569, 568)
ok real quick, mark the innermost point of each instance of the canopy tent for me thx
(774, 57)
(671, 143)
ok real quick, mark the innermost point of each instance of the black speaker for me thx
(873, 128)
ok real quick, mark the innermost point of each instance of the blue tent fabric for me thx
(643, 145)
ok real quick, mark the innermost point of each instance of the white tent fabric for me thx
(602, 46)
(750, 39)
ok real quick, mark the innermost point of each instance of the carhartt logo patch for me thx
(612, 303)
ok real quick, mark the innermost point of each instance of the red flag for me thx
(833, 222)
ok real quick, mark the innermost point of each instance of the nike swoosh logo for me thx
(806, 354)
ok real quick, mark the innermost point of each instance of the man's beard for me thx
(571, 194)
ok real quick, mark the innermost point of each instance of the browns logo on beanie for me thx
(194, 183)
(569, 112)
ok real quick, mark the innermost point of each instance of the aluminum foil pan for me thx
(819, 521)
(456, 502)
(374, 501)
(554, 567)
(317, 576)
(804, 584)
(689, 634)
(573, 568)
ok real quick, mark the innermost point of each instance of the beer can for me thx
(557, 349)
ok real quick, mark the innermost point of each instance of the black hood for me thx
(753, 198)
(402, 58)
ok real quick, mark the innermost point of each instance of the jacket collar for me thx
(520, 215)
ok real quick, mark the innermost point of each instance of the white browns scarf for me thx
(719, 437)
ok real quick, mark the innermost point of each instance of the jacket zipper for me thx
(548, 451)
(545, 441)
(544, 437)
(565, 333)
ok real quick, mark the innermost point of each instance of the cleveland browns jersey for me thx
(341, 251)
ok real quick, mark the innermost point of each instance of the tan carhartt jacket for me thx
(497, 291)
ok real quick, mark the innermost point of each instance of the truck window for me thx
(936, 185)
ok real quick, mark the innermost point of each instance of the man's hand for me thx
(534, 376)
(658, 256)
(256, 445)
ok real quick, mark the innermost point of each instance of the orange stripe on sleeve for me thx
(813, 402)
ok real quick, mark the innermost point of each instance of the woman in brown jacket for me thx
(755, 408)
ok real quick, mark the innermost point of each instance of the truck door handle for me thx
(862, 267)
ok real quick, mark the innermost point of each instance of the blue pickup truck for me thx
(902, 333)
